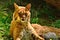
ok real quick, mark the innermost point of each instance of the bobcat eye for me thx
(16, 18)
(25, 14)
(20, 14)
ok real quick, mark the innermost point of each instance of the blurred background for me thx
(43, 12)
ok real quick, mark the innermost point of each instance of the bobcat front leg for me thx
(33, 31)
(17, 34)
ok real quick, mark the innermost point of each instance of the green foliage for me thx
(34, 20)
(56, 24)
(5, 20)
(37, 16)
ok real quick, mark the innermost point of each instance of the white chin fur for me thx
(18, 39)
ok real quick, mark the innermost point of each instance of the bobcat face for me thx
(21, 14)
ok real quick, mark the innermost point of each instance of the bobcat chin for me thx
(20, 21)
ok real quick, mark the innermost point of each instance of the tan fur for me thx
(45, 29)
(20, 21)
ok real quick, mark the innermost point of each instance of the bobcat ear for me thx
(16, 6)
(28, 6)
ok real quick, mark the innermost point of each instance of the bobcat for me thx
(20, 21)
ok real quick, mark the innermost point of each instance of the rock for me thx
(50, 35)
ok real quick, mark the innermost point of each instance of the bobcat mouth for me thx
(23, 19)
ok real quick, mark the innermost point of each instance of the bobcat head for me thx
(21, 13)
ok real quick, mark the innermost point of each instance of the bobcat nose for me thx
(23, 16)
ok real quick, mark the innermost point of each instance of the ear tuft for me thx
(28, 6)
(16, 6)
